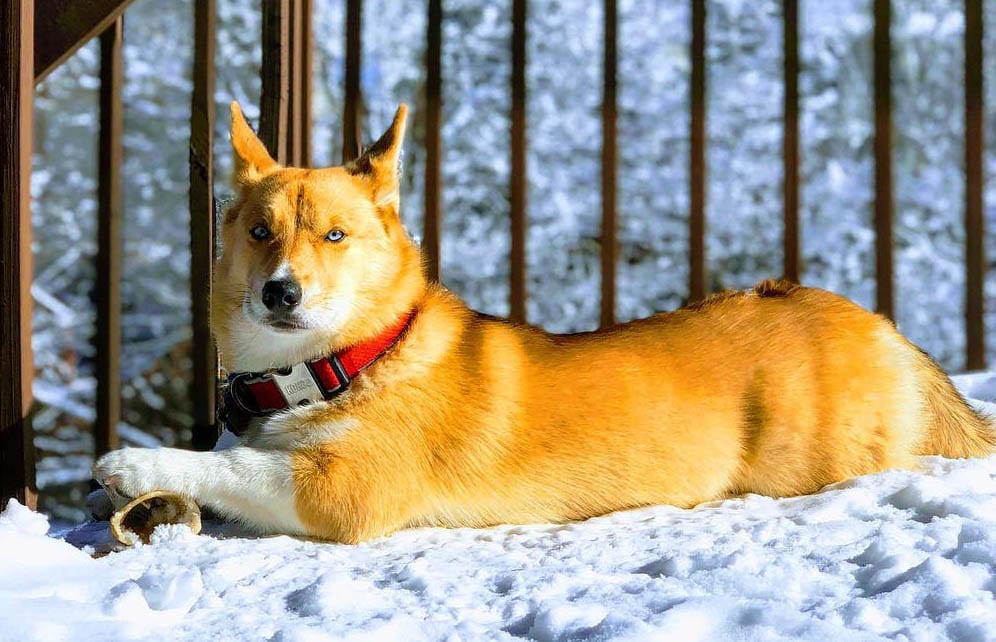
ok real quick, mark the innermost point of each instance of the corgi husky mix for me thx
(373, 400)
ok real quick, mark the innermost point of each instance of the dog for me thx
(369, 399)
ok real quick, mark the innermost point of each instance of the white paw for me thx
(128, 472)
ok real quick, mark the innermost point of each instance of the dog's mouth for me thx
(285, 324)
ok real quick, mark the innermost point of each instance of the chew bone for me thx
(137, 519)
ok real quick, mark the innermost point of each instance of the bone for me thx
(136, 520)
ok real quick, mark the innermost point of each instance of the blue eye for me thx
(335, 236)
(259, 232)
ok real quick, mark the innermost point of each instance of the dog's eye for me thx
(259, 232)
(335, 236)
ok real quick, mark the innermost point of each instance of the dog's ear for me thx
(381, 162)
(252, 160)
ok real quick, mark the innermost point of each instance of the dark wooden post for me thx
(517, 257)
(433, 122)
(304, 73)
(299, 96)
(17, 472)
(285, 103)
(295, 58)
(697, 170)
(108, 287)
(608, 304)
(790, 139)
(204, 382)
(275, 75)
(883, 159)
(975, 140)
(352, 114)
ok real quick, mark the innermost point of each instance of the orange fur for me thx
(471, 420)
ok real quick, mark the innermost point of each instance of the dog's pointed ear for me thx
(381, 162)
(252, 160)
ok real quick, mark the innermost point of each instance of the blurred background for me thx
(564, 85)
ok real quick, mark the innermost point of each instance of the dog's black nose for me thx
(281, 296)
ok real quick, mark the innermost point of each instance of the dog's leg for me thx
(254, 486)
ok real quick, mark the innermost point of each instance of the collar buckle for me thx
(297, 385)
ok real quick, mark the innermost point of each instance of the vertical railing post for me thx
(305, 78)
(518, 182)
(285, 102)
(204, 356)
(17, 473)
(975, 140)
(609, 64)
(884, 297)
(433, 123)
(299, 94)
(275, 75)
(107, 342)
(352, 116)
(697, 170)
(790, 139)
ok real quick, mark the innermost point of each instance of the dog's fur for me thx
(471, 420)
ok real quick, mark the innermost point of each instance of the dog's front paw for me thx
(128, 472)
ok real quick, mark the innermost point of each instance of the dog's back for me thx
(779, 391)
(471, 420)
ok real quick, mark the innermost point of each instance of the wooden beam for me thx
(518, 185)
(299, 94)
(884, 298)
(295, 58)
(697, 169)
(790, 139)
(204, 357)
(107, 342)
(275, 75)
(63, 26)
(433, 123)
(285, 104)
(975, 140)
(609, 162)
(352, 112)
(304, 75)
(17, 473)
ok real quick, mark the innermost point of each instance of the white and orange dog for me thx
(371, 399)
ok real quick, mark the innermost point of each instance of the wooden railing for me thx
(61, 26)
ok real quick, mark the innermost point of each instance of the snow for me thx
(900, 555)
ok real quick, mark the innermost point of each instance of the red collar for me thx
(258, 394)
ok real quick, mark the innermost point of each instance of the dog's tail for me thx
(955, 429)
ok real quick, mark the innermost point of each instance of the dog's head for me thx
(312, 259)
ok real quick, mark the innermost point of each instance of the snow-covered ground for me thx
(899, 555)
